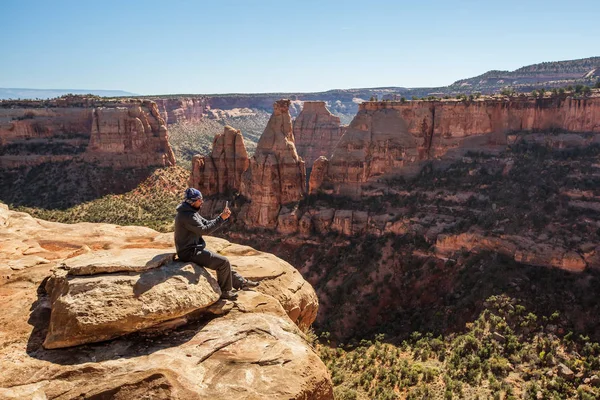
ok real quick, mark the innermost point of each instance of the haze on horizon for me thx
(156, 47)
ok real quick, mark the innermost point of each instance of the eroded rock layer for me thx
(120, 134)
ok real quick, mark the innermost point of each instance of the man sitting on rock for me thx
(191, 247)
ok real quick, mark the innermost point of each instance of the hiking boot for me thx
(248, 284)
(229, 295)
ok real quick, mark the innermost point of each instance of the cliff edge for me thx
(179, 342)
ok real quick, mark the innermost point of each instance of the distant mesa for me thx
(20, 93)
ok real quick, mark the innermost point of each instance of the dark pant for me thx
(227, 278)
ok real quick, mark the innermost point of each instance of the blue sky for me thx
(160, 47)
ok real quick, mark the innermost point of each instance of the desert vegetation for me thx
(152, 203)
(507, 352)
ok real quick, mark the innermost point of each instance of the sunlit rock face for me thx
(221, 171)
(277, 174)
(396, 137)
(119, 134)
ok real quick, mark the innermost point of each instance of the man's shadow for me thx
(131, 345)
(153, 277)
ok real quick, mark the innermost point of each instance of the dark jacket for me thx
(189, 228)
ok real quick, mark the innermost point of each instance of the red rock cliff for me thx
(222, 170)
(316, 132)
(392, 137)
(120, 134)
(277, 174)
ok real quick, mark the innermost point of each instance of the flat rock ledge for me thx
(94, 308)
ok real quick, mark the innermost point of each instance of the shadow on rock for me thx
(156, 276)
(132, 345)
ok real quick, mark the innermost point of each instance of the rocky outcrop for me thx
(178, 110)
(244, 349)
(277, 174)
(129, 136)
(221, 171)
(521, 249)
(316, 132)
(98, 307)
(395, 137)
(120, 134)
(317, 175)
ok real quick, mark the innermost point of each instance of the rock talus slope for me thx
(248, 349)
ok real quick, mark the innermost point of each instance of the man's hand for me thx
(226, 213)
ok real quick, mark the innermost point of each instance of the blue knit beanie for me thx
(191, 195)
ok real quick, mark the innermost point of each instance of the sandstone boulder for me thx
(565, 372)
(118, 260)
(94, 308)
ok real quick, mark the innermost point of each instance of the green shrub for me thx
(343, 393)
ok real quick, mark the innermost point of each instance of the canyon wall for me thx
(316, 132)
(119, 134)
(387, 139)
(395, 137)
